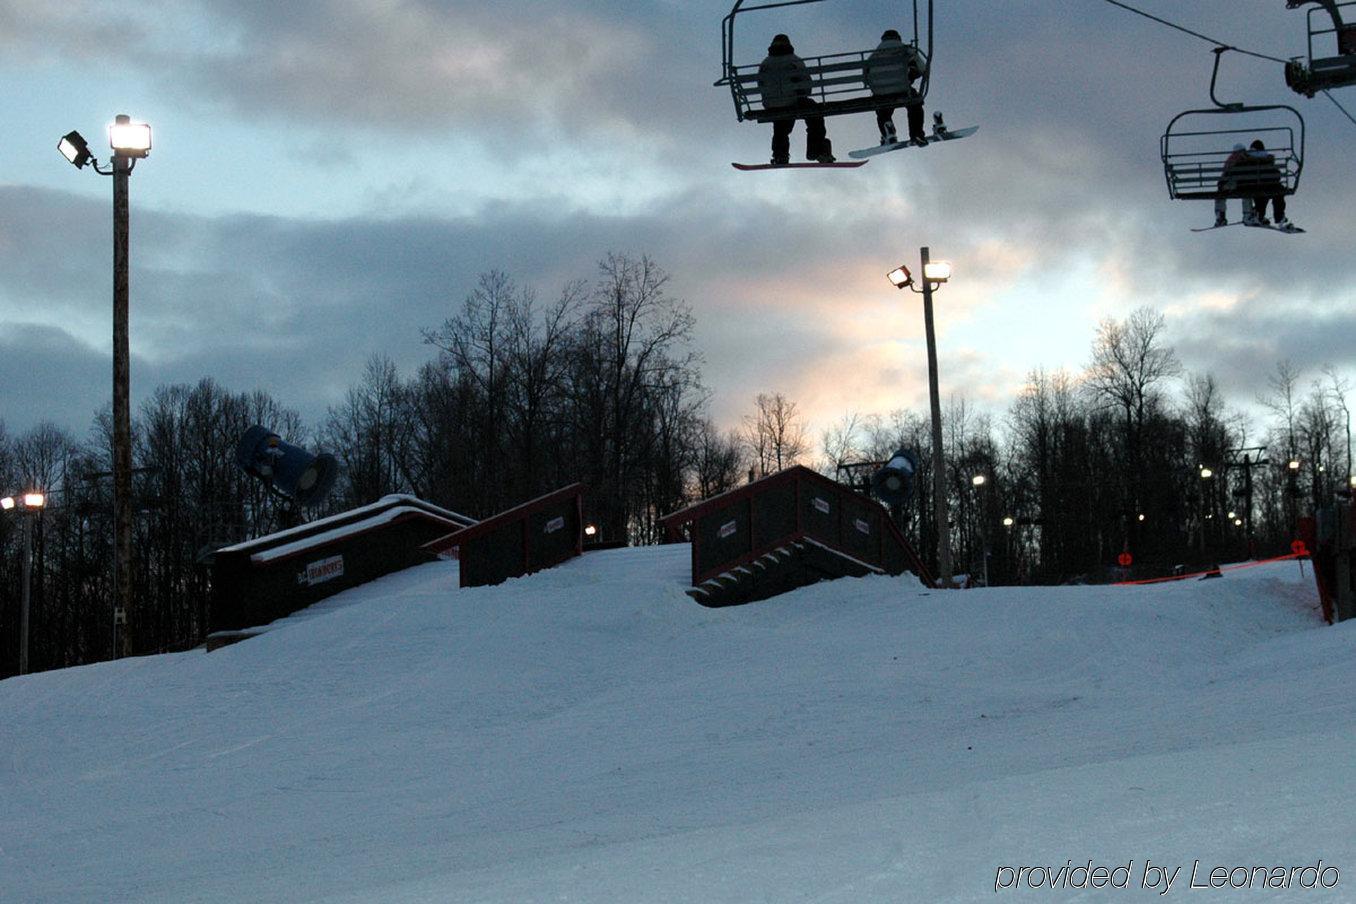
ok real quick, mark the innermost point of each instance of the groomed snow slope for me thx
(591, 734)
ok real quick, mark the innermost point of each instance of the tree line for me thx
(600, 384)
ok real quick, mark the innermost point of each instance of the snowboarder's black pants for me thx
(886, 115)
(816, 137)
(1277, 206)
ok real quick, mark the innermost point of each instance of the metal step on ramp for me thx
(796, 564)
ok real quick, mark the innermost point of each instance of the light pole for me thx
(934, 273)
(1207, 509)
(130, 142)
(979, 483)
(29, 505)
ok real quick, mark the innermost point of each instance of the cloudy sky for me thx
(330, 176)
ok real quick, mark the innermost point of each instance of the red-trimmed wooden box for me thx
(527, 538)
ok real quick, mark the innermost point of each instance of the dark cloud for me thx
(1063, 177)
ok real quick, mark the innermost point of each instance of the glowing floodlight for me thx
(937, 271)
(1294, 464)
(74, 148)
(1206, 473)
(1008, 521)
(34, 500)
(900, 277)
(977, 480)
(129, 139)
(7, 503)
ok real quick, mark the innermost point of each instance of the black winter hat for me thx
(891, 35)
(780, 42)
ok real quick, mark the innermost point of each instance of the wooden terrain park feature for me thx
(527, 538)
(787, 530)
(261, 580)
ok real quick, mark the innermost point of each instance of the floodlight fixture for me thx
(1008, 521)
(977, 480)
(75, 149)
(1294, 464)
(937, 271)
(1238, 522)
(1206, 473)
(590, 530)
(1141, 516)
(7, 503)
(1233, 515)
(129, 139)
(34, 500)
(1352, 480)
(900, 277)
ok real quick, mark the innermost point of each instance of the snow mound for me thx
(591, 734)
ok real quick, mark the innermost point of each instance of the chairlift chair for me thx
(1324, 72)
(837, 80)
(1194, 157)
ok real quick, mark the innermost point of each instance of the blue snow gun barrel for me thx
(893, 484)
(290, 469)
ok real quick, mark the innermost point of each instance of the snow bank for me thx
(591, 734)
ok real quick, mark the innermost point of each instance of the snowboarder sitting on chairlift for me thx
(1228, 182)
(1267, 176)
(890, 72)
(784, 83)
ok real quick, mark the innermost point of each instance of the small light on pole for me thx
(900, 277)
(1238, 522)
(977, 480)
(1233, 515)
(1206, 473)
(1141, 516)
(1008, 521)
(1294, 464)
(590, 530)
(29, 505)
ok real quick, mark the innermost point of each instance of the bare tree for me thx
(775, 433)
(841, 443)
(719, 461)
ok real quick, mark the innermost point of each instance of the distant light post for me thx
(934, 274)
(1207, 473)
(978, 482)
(130, 141)
(29, 505)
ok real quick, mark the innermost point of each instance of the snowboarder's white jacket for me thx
(891, 67)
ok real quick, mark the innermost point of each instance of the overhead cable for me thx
(1194, 34)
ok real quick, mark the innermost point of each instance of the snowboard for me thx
(948, 135)
(1291, 229)
(841, 164)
